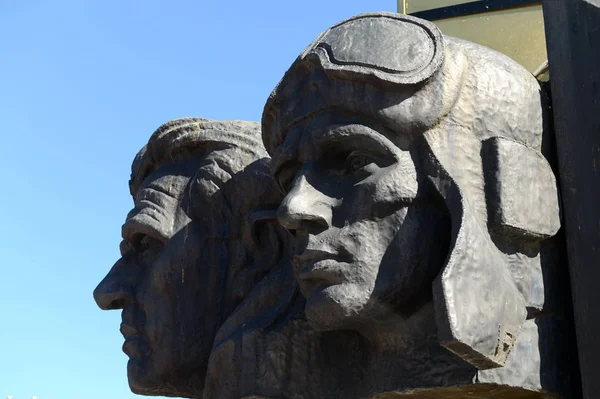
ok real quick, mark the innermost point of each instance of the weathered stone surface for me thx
(365, 159)
(193, 248)
(521, 188)
(399, 243)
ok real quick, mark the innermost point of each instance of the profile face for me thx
(364, 229)
(160, 275)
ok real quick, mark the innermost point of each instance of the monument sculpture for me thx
(192, 247)
(398, 243)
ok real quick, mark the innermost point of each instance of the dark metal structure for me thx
(573, 40)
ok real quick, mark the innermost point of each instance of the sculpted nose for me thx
(116, 290)
(305, 208)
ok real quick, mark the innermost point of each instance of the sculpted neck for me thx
(397, 333)
(390, 355)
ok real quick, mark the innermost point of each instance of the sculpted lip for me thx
(326, 269)
(321, 274)
(129, 331)
(133, 340)
(132, 347)
(315, 255)
(320, 268)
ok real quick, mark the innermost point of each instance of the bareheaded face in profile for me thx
(366, 232)
(164, 288)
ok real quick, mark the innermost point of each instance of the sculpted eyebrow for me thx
(160, 189)
(347, 134)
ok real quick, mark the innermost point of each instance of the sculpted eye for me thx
(125, 247)
(357, 161)
(143, 244)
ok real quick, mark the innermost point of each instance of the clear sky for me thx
(83, 84)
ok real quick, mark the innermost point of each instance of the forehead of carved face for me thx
(364, 223)
(160, 284)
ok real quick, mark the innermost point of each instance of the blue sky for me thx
(83, 84)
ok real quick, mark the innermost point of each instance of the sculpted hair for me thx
(183, 138)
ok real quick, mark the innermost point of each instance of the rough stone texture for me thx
(521, 188)
(359, 153)
(422, 260)
(201, 234)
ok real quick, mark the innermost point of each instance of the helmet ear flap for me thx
(521, 193)
(479, 309)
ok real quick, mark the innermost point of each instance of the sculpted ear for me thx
(254, 199)
(263, 224)
(270, 241)
(205, 200)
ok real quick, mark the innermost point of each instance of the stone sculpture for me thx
(195, 242)
(419, 198)
(408, 167)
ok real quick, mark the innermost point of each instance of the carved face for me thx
(364, 227)
(165, 288)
